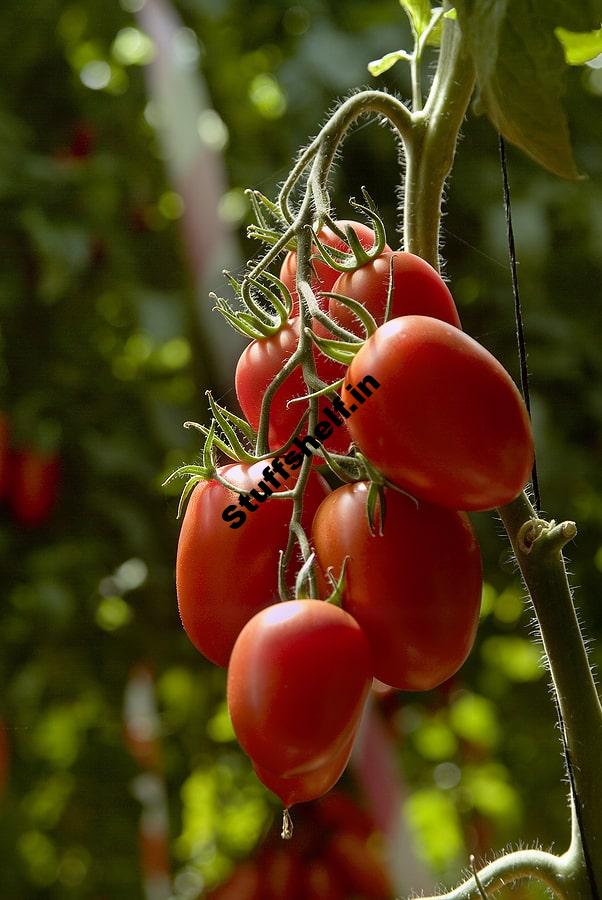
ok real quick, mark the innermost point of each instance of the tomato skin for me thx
(415, 591)
(447, 423)
(417, 290)
(298, 678)
(308, 785)
(259, 363)
(325, 276)
(34, 486)
(225, 575)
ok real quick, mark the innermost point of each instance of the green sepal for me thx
(359, 256)
(357, 308)
(302, 579)
(376, 504)
(229, 431)
(338, 585)
(269, 236)
(259, 202)
(341, 351)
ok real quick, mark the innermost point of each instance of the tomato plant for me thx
(415, 590)
(215, 601)
(447, 423)
(298, 677)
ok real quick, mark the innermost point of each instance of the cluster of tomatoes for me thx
(446, 432)
(336, 856)
(29, 479)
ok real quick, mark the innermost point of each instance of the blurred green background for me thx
(105, 352)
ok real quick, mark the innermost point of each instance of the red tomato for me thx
(325, 276)
(308, 785)
(360, 867)
(224, 574)
(447, 423)
(259, 363)
(34, 486)
(321, 882)
(415, 590)
(417, 290)
(243, 884)
(4, 455)
(299, 674)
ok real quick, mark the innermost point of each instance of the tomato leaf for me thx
(386, 62)
(579, 47)
(520, 69)
(418, 12)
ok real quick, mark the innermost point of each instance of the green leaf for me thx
(386, 62)
(418, 12)
(579, 47)
(520, 71)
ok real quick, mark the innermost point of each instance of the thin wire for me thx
(524, 381)
(518, 315)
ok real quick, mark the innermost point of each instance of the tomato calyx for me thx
(376, 503)
(341, 261)
(260, 317)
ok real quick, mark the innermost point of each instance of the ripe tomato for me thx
(360, 866)
(225, 575)
(417, 290)
(298, 677)
(447, 423)
(325, 276)
(415, 590)
(308, 785)
(34, 486)
(259, 363)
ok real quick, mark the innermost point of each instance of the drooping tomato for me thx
(417, 290)
(298, 677)
(259, 363)
(225, 574)
(325, 275)
(34, 486)
(447, 423)
(415, 590)
(308, 785)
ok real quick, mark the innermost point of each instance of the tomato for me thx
(227, 570)
(360, 866)
(447, 423)
(415, 590)
(34, 486)
(298, 677)
(325, 275)
(308, 785)
(259, 363)
(243, 884)
(417, 290)
(321, 882)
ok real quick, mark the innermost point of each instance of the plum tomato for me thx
(447, 423)
(299, 674)
(415, 590)
(418, 289)
(325, 275)
(259, 363)
(308, 785)
(225, 575)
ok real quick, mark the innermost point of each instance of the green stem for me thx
(430, 154)
(538, 548)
